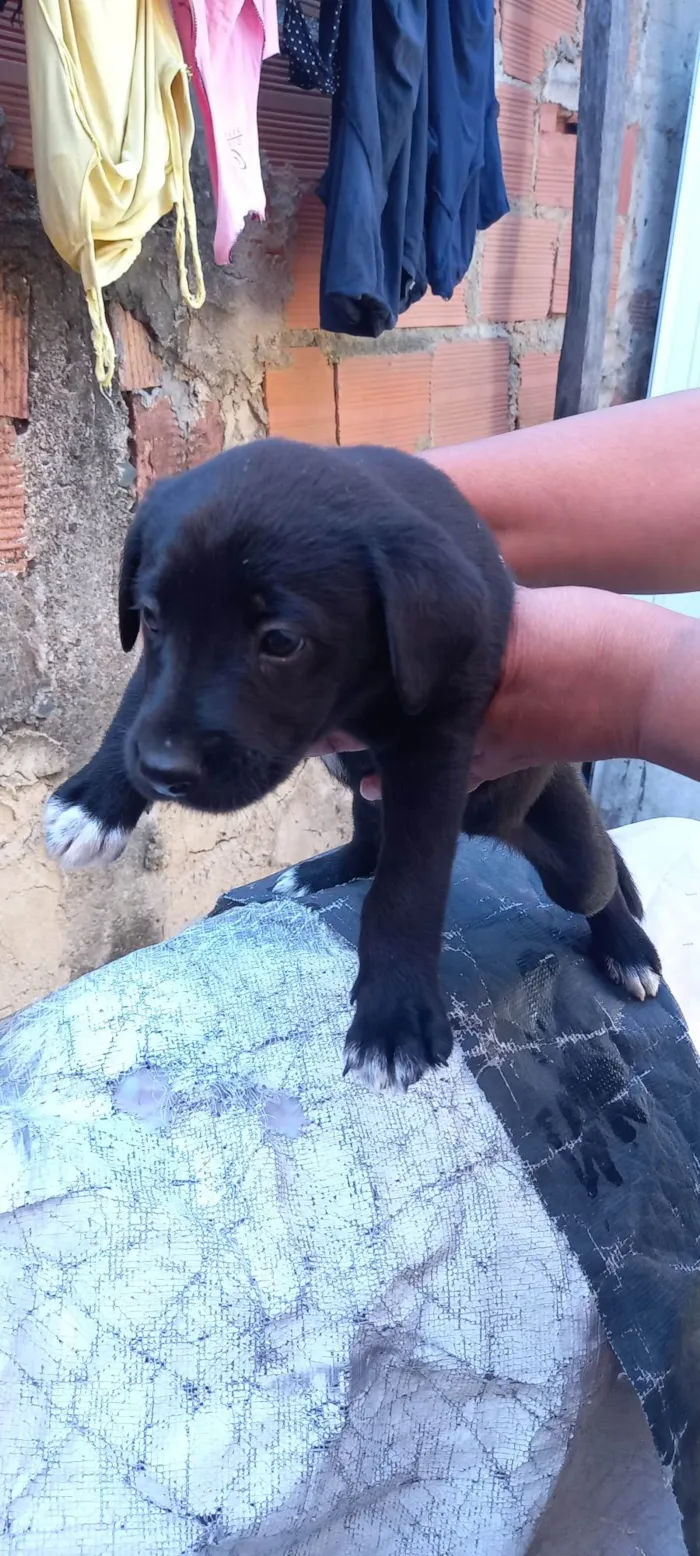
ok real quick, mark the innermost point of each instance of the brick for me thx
(139, 367)
(293, 125)
(538, 383)
(518, 267)
(158, 441)
(385, 399)
(556, 159)
(549, 117)
(13, 536)
(162, 447)
(206, 437)
(301, 397)
(560, 290)
(434, 312)
(14, 92)
(528, 27)
(469, 390)
(14, 348)
(302, 309)
(516, 132)
(629, 157)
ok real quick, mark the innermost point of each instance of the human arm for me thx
(607, 500)
(589, 675)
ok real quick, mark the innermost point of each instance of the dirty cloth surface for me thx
(245, 1304)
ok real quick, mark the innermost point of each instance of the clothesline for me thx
(414, 167)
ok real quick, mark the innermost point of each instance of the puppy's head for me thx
(280, 592)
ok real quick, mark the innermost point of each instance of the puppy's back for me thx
(428, 491)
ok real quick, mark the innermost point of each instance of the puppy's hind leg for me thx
(620, 947)
(90, 818)
(581, 870)
(354, 861)
(628, 887)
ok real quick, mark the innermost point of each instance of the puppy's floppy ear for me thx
(436, 608)
(131, 558)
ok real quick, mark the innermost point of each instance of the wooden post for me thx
(601, 120)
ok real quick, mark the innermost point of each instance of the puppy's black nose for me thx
(169, 769)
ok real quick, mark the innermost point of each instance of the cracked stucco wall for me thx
(61, 667)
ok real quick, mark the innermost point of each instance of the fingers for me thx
(371, 788)
(498, 763)
(488, 763)
(336, 741)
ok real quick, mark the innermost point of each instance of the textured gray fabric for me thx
(246, 1305)
(242, 1297)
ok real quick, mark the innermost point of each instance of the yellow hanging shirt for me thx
(112, 130)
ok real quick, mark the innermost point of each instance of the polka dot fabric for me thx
(312, 63)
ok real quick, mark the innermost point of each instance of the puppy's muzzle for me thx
(164, 769)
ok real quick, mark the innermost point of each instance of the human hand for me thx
(573, 685)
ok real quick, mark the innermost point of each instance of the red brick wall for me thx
(160, 444)
(482, 363)
(14, 411)
(16, 135)
(487, 360)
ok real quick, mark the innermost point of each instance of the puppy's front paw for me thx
(292, 883)
(397, 1035)
(326, 871)
(91, 817)
(77, 839)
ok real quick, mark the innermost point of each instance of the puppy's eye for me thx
(280, 643)
(149, 619)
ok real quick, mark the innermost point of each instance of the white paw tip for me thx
(288, 884)
(640, 982)
(76, 839)
(373, 1070)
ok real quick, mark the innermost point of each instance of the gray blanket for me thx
(246, 1304)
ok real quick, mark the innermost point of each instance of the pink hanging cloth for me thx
(224, 43)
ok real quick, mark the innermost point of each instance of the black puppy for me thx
(283, 592)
